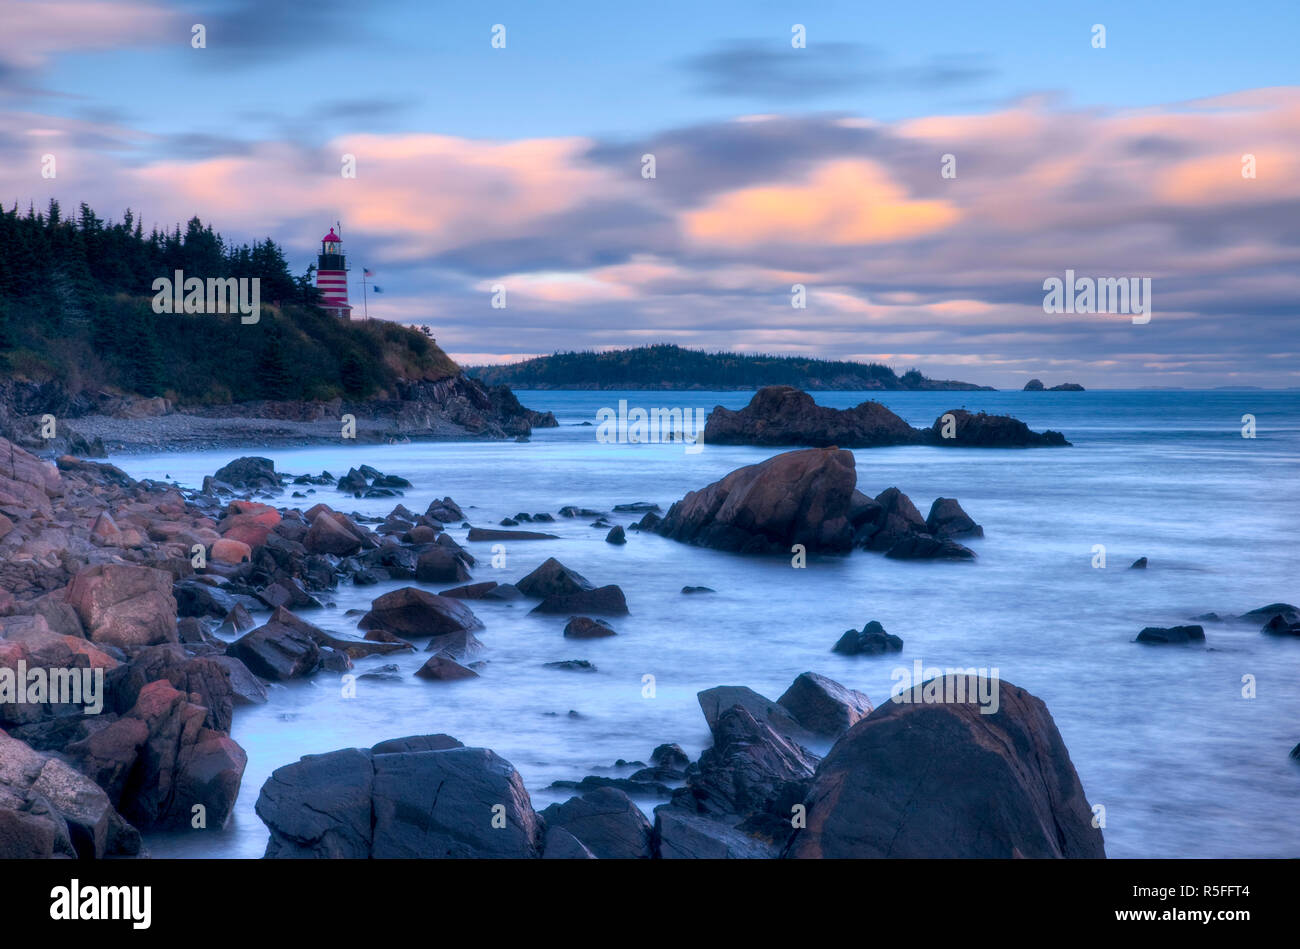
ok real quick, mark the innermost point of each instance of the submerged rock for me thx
(1173, 634)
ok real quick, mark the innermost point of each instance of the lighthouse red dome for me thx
(332, 238)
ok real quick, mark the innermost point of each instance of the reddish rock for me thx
(231, 551)
(124, 605)
(411, 613)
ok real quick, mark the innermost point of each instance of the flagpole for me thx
(364, 302)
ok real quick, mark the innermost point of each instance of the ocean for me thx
(1164, 738)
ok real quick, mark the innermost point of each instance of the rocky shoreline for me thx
(93, 425)
(170, 609)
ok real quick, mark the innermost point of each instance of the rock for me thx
(445, 511)
(1067, 387)
(1172, 634)
(670, 757)
(925, 547)
(236, 621)
(616, 535)
(438, 742)
(124, 605)
(1034, 385)
(988, 431)
(717, 700)
(681, 835)
(226, 550)
(442, 667)
(411, 613)
(584, 627)
(288, 592)
(48, 809)
(353, 482)
(751, 771)
(553, 578)
(440, 804)
(562, 845)
(823, 706)
(1279, 625)
(181, 764)
(103, 532)
(571, 665)
(798, 497)
(698, 590)
(327, 535)
(947, 519)
(503, 591)
(472, 591)
(194, 597)
(608, 600)
(487, 533)
(249, 473)
(606, 822)
(941, 779)
(27, 483)
(440, 565)
(278, 650)
(783, 415)
(1139, 564)
(461, 646)
(1290, 613)
(871, 641)
(320, 806)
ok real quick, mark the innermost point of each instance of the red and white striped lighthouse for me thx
(332, 276)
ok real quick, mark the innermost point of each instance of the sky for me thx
(522, 166)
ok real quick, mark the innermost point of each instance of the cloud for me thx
(900, 262)
(778, 72)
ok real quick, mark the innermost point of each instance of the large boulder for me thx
(553, 578)
(278, 650)
(922, 777)
(414, 613)
(947, 519)
(607, 823)
(48, 809)
(823, 706)
(871, 640)
(607, 600)
(124, 605)
(425, 797)
(440, 565)
(797, 497)
(783, 415)
(981, 430)
(26, 483)
(249, 473)
(328, 535)
(682, 835)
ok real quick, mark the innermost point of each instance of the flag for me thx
(367, 272)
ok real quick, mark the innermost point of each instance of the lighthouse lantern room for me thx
(332, 276)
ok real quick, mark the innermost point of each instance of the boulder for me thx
(562, 845)
(278, 650)
(717, 700)
(440, 565)
(230, 551)
(947, 519)
(750, 772)
(411, 613)
(607, 600)
(491, 534)
(871, 640)
(124, 605)
(584, 627)
(606, 822)
(942, 779)
(462, 646)
(823, 706)
(798, 497)
(681, 835)
(1158, 635)
(616, 535)
(443, 668)
(26, 483)
(320, 806)
(327, 535)
(553, 578)
(783, 415)
(971, 430)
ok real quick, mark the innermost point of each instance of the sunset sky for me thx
(522, 166)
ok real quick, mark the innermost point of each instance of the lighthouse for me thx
(332, 276)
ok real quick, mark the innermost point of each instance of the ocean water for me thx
(1162, 737)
